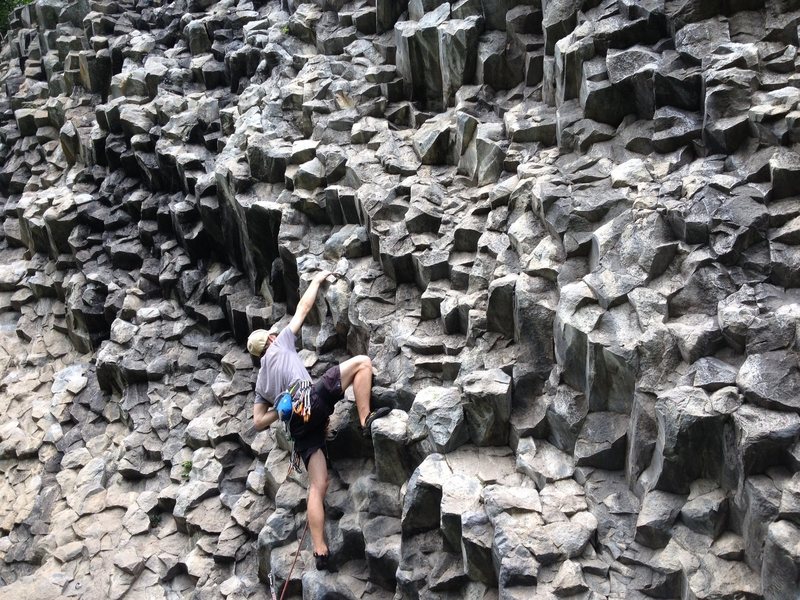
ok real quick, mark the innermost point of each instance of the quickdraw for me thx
(301, 405)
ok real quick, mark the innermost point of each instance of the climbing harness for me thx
(294, 401)
(291, 570)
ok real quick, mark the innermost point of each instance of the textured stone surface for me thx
(565, 232)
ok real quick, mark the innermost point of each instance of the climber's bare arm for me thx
(307, 302)
(264, 416)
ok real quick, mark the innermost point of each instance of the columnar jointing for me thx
(568, 235)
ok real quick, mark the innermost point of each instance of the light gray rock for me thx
(722, 577)
(658, 513)
(779, 570)
(569, 579)
(542, 462)
(769, 379)
(436, 421)
(461, 494)
(790, 500)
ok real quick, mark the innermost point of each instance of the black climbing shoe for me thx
(322, 561)
(366, 430)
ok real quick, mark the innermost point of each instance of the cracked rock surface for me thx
(567, 232)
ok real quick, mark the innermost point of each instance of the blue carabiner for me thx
(283, 404)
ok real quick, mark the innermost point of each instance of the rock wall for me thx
(567, 232)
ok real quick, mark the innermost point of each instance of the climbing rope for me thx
(296, 554)
(291, 570)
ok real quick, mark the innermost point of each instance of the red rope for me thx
(294, 562)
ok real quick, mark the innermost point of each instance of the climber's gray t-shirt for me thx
(280, 366)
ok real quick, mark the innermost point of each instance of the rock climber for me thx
(282, 369)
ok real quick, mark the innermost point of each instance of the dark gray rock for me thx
(418, 57)
(758, 505)
(487, 406)
(632, 70)
(432, 142)
(696, 41)
(783, 171)
(559, 20)
(476, 544)
(494, 66)
(566, 413)
(675, 128)
(689, 444)
(390, 439)
(602, 441)
(591, 248)
(759, 439)
(785, 264)
(422, 502)
(382, 552)
(642, 434)
(458, 44)
(706, 512)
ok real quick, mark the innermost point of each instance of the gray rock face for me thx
(688, 427)
(436, 420)
(769, 379)
(487, 406)
(780, 569)
(658, 513)
(566, 233)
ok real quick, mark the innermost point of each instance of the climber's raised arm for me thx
(307, 302)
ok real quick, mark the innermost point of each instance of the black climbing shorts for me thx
(325, 393)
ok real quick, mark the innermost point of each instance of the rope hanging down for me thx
(291, 570)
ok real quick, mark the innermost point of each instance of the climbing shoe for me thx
(366, 430)
(322, 561)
